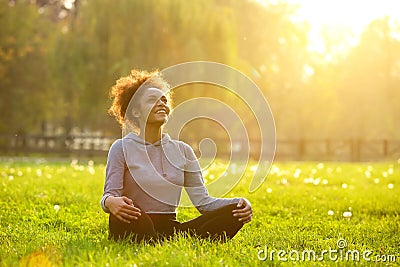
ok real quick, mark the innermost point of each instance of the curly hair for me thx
(125, 87)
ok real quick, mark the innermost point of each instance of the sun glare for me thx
(344, 20)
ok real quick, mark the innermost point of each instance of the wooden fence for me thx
(78, 145)
(338, 150)
(303, 149)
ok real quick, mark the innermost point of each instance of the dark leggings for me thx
(217, 225)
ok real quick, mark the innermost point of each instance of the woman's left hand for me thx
(244, 211)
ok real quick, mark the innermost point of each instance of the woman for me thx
(146, 171)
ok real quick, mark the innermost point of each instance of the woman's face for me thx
(154, 107)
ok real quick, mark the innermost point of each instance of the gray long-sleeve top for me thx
(152, 175)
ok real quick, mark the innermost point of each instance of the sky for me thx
(351, 13)
(343, 16)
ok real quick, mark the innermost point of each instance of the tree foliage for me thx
(57, 64)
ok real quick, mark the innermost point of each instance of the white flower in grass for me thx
(390, 186)
(74, 162)
(324, 181)
(344, 185)
(297, 173)
(331, 213)
(347, 215)
(269, 190)
(253, 168)
(274, 169)
(308, 180)
(376, 180)
(56, 208)
(10, 177)
(233, 168)
(91, 170)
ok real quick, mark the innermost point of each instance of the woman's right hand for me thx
(123, 208)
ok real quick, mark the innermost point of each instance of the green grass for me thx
(290, 213)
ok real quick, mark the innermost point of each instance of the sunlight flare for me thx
(336, 26)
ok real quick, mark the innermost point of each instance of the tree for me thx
(23, 74)
(370, 80)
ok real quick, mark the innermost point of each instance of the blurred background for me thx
(330, 70)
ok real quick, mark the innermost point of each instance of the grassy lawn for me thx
(50, 216)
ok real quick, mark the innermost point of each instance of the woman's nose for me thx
(160, 103)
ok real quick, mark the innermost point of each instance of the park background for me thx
(330, 75)
(330, 71)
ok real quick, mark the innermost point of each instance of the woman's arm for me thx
(198, 193)
(115, 170)
(112, 200)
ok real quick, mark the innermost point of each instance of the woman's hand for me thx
(122, 208)
(244, 211)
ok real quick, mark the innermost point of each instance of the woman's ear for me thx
(135, 113)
